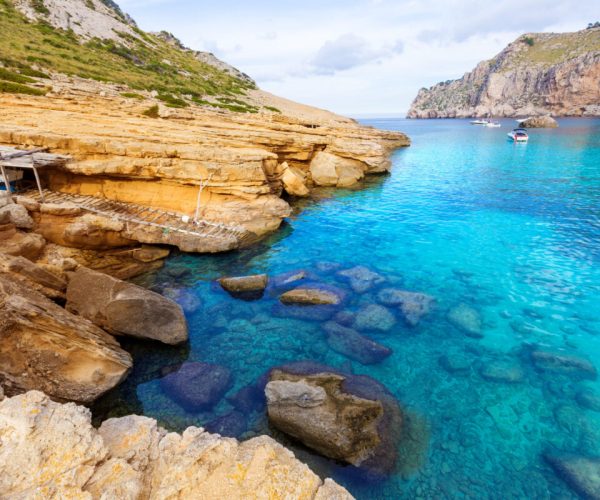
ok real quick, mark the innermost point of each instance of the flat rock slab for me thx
(197, 386)
(582, 474)
(352, 344)
(125, 309)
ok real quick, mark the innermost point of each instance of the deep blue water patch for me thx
(505, 237)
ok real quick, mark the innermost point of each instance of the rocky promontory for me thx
(51, 450)
(537, 74)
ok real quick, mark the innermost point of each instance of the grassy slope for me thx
(176, 75)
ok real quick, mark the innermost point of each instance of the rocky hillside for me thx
(539, 73)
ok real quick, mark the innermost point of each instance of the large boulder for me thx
(197, 386)
(361, 278)
(581, 473)
(51, 450)
(45, 347)
(413, 305)
(327, 169)
(294, 181)
(33, 275)
(349, 418)
(125, 309)
(352, 344)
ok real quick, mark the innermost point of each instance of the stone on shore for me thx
(352, 344)
(466, 319)
(539, 122)
(374, 317)
(18, 243)
(17, 215)
(412, 305)
(125, 309)
(349, 418)
(34, 276)
(51, 450)
(563, 363)
(361, 278)
(197, 386)
(311, 296)
(582, 474)
(45, 347)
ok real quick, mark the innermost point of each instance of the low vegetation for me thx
(152, 112)
(142, 62)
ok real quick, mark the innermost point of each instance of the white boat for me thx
(479, 122)
(493, 124)
(518, 135)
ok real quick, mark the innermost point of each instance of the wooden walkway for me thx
(146, 216)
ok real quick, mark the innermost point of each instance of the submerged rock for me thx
(361, 278)
(232, 424)
(588, 399)
(189, 301)
(51, 450)
(45, 347)
(197, 386)
(350, 343)
(125, 309)
(239, 284)
(374, 317)
(345, 417)
(248, 399)
(467, 319)
(455, 363)
(502, 371)
(413, 305)
(311, 296)
(308, 313)
(582, 474)
(563, 363)
(284, 282)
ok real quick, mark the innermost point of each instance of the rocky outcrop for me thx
(538, 74)
(539, 122)
(122, 308)
(44, 347)
(345, 417)
(51, 450)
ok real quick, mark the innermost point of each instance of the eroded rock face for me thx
(51, 450)
(34, 276)
(44, 347)
(345, 417)
(125, 309)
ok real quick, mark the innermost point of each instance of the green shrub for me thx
(14, 77)
(17, 88)
(39, 7)
(133, 95)
(172, 101)
(273, 109)
(152, 112)
(529, 41)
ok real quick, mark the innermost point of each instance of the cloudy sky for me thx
(357, 57)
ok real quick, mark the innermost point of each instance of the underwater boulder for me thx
(361, 278)
(505, 371)
(352, 344)
(563, 363)
(466, 319)
(187, 299)
(588, 399)
(304, 312)
(233, 424)
(375, 318)
(455, 363)
(248, 399)
(345, 417)
(412, 305)
(306, 295)
(581, 473)
(197, 386)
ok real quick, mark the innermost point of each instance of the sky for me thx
(356, 57)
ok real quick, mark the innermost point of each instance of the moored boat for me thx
(479, 122)
(493, 124)
(518, 135)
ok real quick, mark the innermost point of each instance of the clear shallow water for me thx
(513, 231)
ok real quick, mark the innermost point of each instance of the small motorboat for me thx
(493, 124)
(479, 122)
(518, 135)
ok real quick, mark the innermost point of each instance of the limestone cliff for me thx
(539, 73)
(51, 450)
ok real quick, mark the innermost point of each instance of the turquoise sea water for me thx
(511, 231)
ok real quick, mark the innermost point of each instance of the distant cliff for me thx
(539, 73)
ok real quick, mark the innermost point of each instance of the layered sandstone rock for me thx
(125, 309)
(44, 347)
(32, 275)
(51, 450)
(538, 74)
